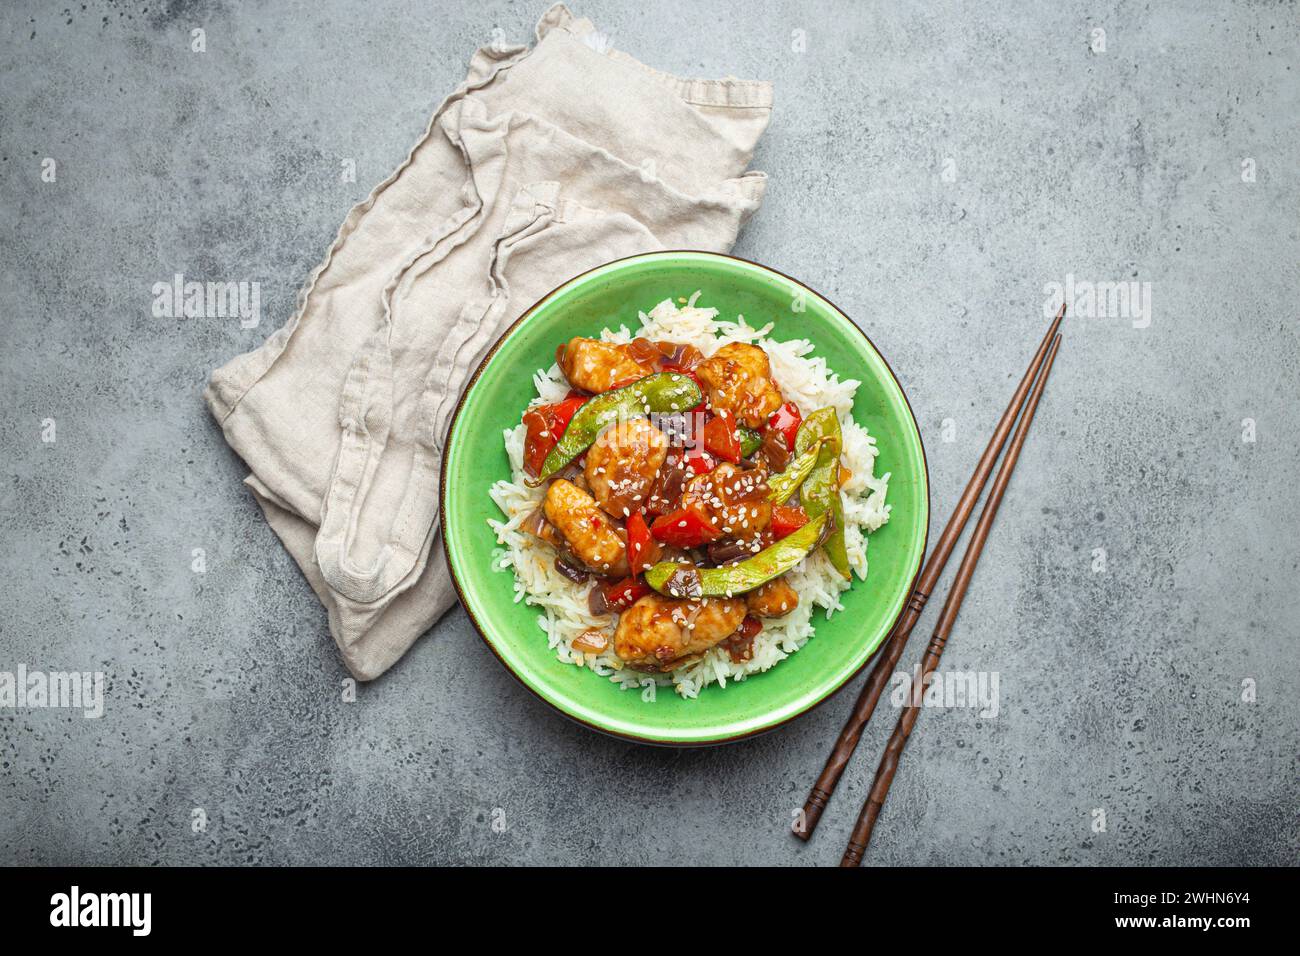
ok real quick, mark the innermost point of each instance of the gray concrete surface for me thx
(933, 167)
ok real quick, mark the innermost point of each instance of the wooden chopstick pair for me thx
(820, 795)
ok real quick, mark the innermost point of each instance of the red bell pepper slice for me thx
(546, 425)
(642, 549)
(564, 411)
(721, 437)
(684, 528)
(625, 593)
(787, 520)
(786, 420)
(697, 461)
(539, 442)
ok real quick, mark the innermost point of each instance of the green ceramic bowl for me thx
(496, 396)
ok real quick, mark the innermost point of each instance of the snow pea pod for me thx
(684, 581)
(821, 425)
(820, 492)
(662, 393)
(782, 486)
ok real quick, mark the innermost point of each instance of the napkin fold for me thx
(545, 162)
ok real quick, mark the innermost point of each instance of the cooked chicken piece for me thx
(623, 464)
(738, 377)
(774, 599)
(659, 634)
(733, 499)
(596, 366)
(594, 538)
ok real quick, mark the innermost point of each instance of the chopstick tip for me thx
(1056, 323)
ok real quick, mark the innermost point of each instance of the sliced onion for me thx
(642, 351)
(733, 549)
(534, 524)
(676, 427)
(597, 603)
(571, 568)
(774, 450)
(591, 641)
(684, 583)
(671, 480)
(680, 355)
(569, 472)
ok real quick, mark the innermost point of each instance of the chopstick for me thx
(820, 795)
(943, 628)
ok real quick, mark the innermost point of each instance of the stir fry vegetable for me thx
(721, 438)
(684, 581)
(642, 550)
(625, 593)
(697, 461)
(662, 393)
(782, 486)
(617, 597)
(786, 420)
(786, 521)
(728, 441)
(546, 424)
(821, 425)
(820, 492)
(686, 527)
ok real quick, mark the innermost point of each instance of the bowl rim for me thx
(478, 625)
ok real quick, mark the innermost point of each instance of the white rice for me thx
(803, 379)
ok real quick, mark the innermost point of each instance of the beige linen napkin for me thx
(546, 162)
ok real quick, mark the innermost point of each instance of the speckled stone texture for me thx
(934, 166)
